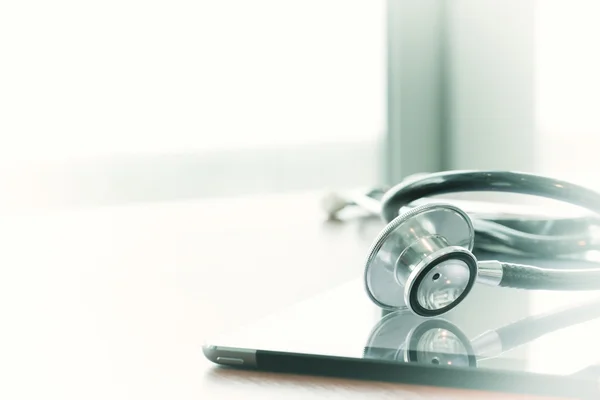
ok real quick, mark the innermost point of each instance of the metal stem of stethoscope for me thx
(333, 203)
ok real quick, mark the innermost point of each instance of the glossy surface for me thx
(495, 329)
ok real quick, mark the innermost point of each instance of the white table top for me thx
(114, 302)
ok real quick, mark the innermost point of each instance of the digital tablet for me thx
(499, 339)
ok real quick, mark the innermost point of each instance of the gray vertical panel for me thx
(491, 70)
(415, 87)
(490, 99)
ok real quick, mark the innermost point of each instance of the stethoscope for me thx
(422, 260)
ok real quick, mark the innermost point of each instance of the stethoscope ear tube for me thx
(486, 181)
(545, 234)
(490, 233)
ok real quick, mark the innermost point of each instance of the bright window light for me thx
(94, 78)
(568, 89)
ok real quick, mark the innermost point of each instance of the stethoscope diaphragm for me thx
(422, 260)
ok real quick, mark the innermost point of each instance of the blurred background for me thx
(127, 101)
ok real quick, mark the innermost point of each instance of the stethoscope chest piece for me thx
(422, 261)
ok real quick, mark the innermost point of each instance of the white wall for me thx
(568, 89)
(81, 79)
(524, 86)
(99, 99)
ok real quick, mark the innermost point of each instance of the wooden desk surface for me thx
(114, 303)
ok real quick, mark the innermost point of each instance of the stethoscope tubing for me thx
(491, 233)
(486, 181)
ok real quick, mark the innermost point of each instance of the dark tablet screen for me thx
(546, 332)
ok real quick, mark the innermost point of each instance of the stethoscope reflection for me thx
(402, 336)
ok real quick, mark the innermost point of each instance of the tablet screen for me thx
(548, 332)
